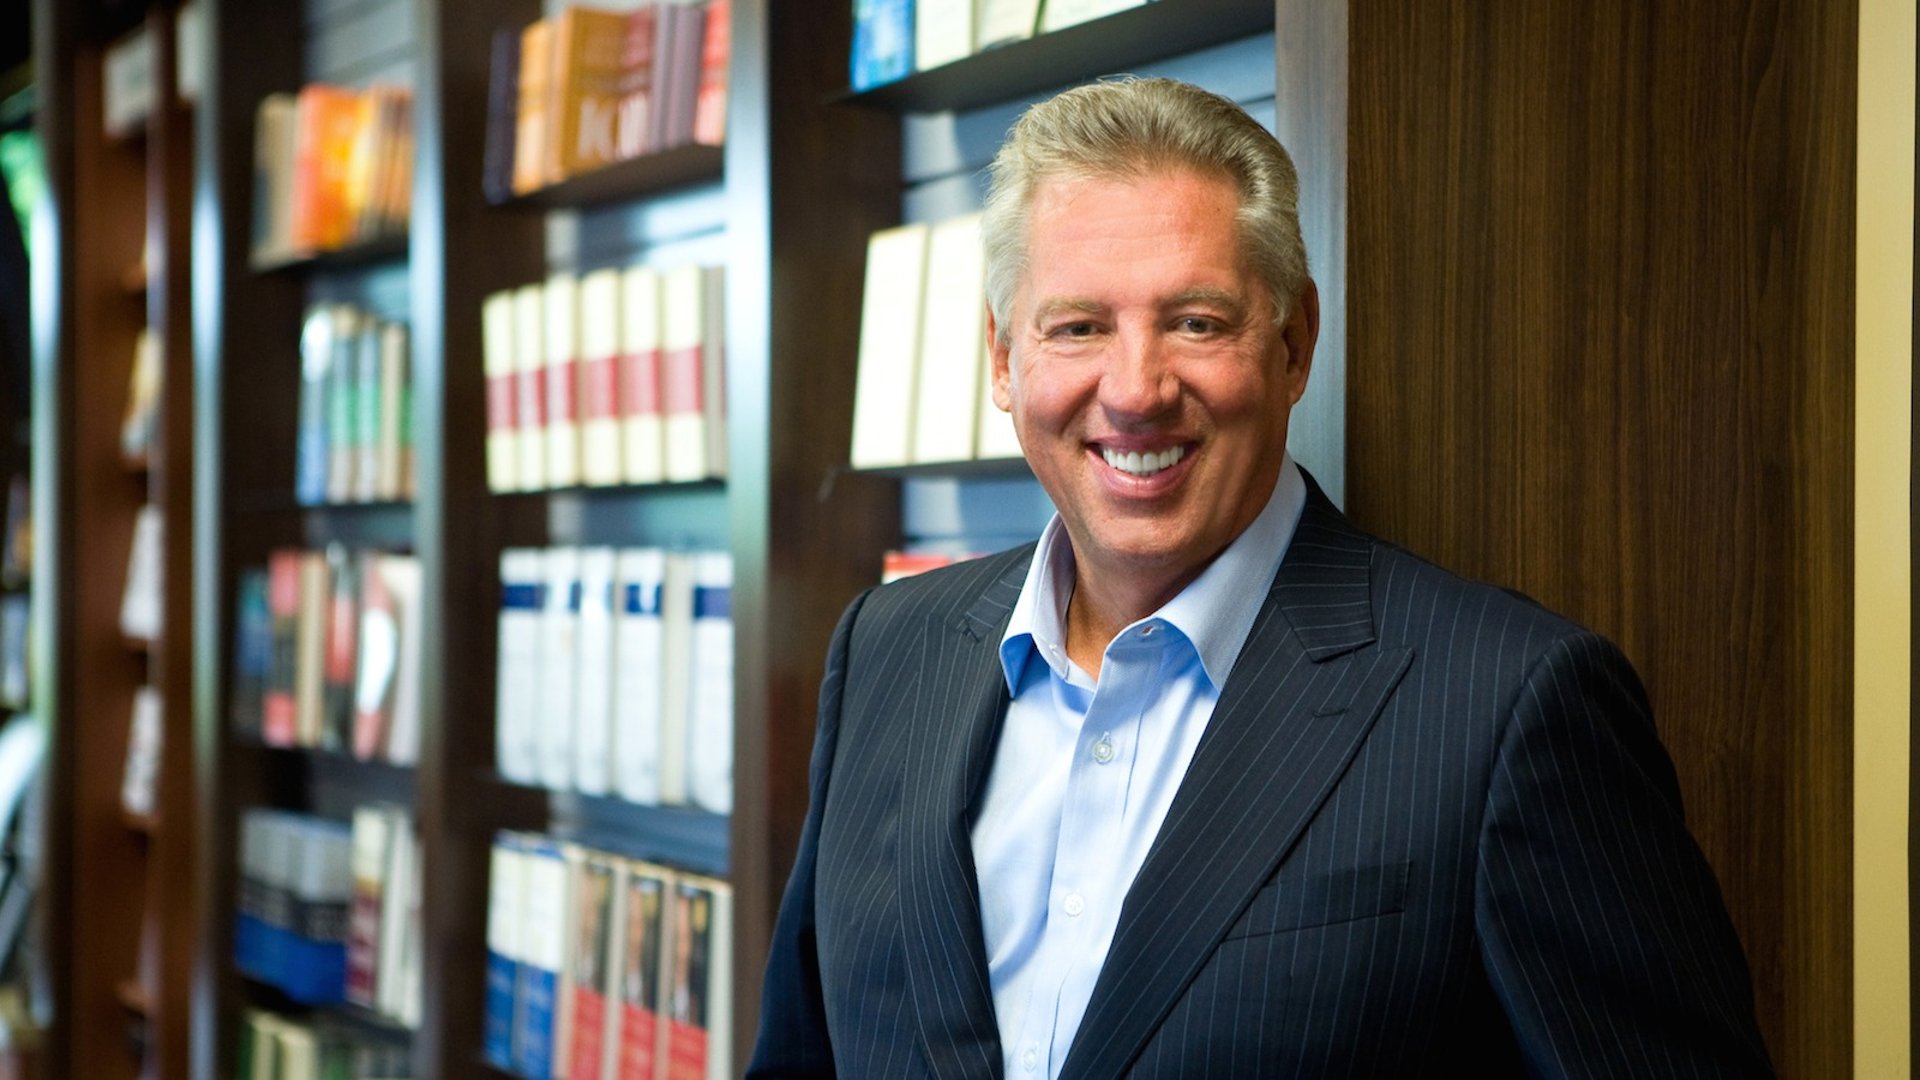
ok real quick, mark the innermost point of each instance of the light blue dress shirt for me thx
(1085, 771)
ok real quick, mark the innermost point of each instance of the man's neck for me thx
(1105, 603)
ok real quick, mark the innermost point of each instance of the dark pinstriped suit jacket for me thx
(1429, 829)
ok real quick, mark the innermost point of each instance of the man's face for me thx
(1147, 379)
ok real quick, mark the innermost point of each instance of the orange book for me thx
(633, 130)
(530, 124)
(329, 124)
(583, 98)
(710, 102)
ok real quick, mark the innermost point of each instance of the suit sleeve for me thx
(1601, 925)
(793, 1041)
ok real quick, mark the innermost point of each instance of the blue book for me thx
(312, 444)
(882, 42)
(506, 892)
(544, 941)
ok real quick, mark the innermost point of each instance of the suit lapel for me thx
(954, 719)
(1299, 702)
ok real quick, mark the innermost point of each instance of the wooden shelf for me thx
(678, 836)
(635, 177)
(378, 250)
(363, 1021)
(984, 468)
(1115, 43)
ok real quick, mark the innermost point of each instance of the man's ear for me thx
(1000, 356)
(1298, 335)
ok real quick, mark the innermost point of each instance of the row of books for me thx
(615, 376)
(924, 390)
(329, 912)
(588, 87)
(355, 439)
(600, 967)
(327, 652)
(895, 38)
(333, 167)
(616, 673)
(278, 1047)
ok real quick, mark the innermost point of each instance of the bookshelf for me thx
(117, 964)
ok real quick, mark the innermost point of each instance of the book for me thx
(699, 981)
(684, 43)
(1001, 22)
(890, 315)
(1060, 14)
(646, 928)
(639, 575)
(897, 565)
(139, 422)
(16, 553)
(693, 372)
(882, 42)
(601, 462)
(642, 419)
(328, 121)
(274, 123)
(140, 603)
(398, 985)
(716, 57)
(141, 773)
(126, 82)
(544, 948)
(562, 328)
(529, 361)
(676, 671)
(531, 118)
(312, 455)
(339, 666)
(16, 618)
(667, 18)
(252, 651)
(584, 97)
(942, 32)
(952, 343)
(373, 828)
(377, 661)
(310, 645)
(592, 955)
(518, 702)
(497, 347)
(634, 121)
(393, 449)
(503, 104)
(710, 685)
(279, 717)
(559, 663)
(341, 389)
(594, 674)
(506, 894)
(369, 403)
(400, 575)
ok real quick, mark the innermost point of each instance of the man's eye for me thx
(1198, 324)
(1075, 330)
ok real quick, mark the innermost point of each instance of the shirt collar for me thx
(1215, 612)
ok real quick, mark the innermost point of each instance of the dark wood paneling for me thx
(1600, 349)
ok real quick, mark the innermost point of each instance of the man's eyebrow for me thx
(1068, 304)
(1207, 295)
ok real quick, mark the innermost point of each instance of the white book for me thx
(517, 731)
(562, 328)
(1060, 14)
(692, 372)
(642, 422)
(710, 685)
(497, 344)
(506, 894)
(559, 656)
(544, 945)
(639, 576)
(396, 400)
(397, 902)
(601, 463)
(373, 840)
(883, 402)
(142, 768)
(997, 439)
(127, 75)
(952, 343)
(676, 670)
(530, 368)
(402, 576)
(593, 677)
(140, 604)
(998, 22)
(942, 32)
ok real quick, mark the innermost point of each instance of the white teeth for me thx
(1137, 464)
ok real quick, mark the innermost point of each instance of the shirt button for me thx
(1146, 631)
(1103, 750)
(1030, 1059)
(1075, 904)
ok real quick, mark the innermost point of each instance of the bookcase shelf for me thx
(1113, 43)
(381, 249)
(982, 469)
(653, 174)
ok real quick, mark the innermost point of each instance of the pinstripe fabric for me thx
(1429, 827)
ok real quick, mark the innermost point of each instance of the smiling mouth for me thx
(1134, 463)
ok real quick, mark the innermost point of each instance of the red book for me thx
(588, 960)
(645, 914)
(633, 123)
(710, 102)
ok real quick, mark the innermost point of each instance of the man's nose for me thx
(1139, 382)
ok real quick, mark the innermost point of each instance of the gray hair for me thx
(1128, 128)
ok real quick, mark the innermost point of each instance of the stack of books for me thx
(355, 439)
(333, 168)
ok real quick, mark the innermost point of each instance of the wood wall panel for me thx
(1600, 349)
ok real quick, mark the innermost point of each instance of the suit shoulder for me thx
(1413, 596)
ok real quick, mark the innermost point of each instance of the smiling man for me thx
(1208, 782)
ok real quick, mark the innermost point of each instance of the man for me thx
(1210, 783)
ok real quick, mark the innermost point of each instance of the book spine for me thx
(562, 315)
(642, 417)
(529, 334)
(311, 452)
(370, 841)
(641, 1036)
(503, 99)
(593, 679)
(497, 338)
(279, 721)
(710, 685)
(600, 452)
(506, 887)
(716, 56)
(683, 375)
(640, 574)
(517, 734)
(633, 125)
(545, 951)
(560, 658)
(890, 312)
(531, 118)
(676, 667)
